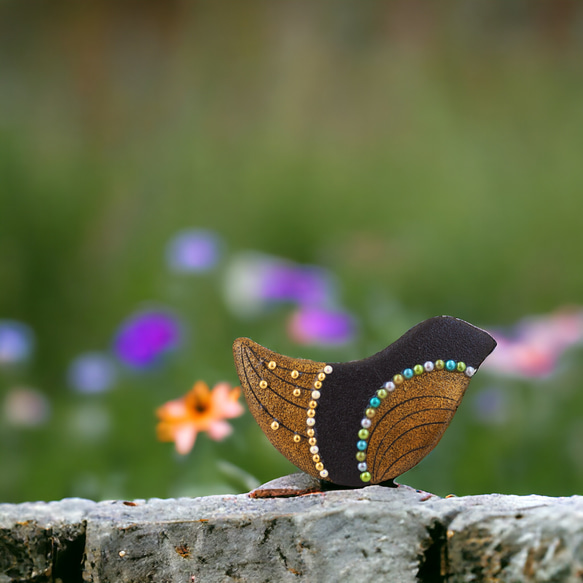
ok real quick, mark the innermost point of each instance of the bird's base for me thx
(299, 484)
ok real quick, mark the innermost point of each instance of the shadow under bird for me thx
(367, 421)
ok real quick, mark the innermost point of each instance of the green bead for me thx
(461, 366)
(365, 476)
(361, 456)
(382, 394)
(439, 365)
(370, 412)
(363, 433)
(418, 369)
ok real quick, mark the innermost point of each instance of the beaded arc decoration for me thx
(384, 391)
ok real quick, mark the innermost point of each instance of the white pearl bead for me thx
(314, 449)
(428, 366)
(324, 474)
(470, 371)
(310, 421)
(328, 369)
(362, 467)
(389, 385)
(366, 422)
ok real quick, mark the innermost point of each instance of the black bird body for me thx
(365, 421)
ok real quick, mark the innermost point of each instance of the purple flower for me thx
(16, 342)
(193, 251)
(144, 337)
(313, 325)
(300, 284)
(91, 372)
(255, 282)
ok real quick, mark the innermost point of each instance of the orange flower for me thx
(199, 410)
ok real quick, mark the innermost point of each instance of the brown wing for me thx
(411, 421)
(282, 394)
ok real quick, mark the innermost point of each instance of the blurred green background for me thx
(428, 155)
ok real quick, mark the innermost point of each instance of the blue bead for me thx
(408, 373)
(362, 445)
(451, 365)
(375, 402)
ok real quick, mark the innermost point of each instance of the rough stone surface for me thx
(337, 536)
(42, 541)
(517, 538)
(375, 533)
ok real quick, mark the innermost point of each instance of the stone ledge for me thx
(375, 533)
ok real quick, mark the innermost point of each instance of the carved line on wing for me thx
(386, 474)
(405, 433)
(304, 373)
(397, 423)
(404, 402)
(250, 387)
(269, 387)
(294, 385)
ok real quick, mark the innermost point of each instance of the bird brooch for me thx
(366, 421)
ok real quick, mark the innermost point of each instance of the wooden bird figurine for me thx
(367, 421)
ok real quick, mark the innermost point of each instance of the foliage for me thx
(426, 170)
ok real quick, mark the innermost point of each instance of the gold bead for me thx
(297, 392)
(272, 364)
(275, 425)
(312, 404)
(317, 385)
(295, 374)
(312, 441)
(311, 413)
(319, 466)
(311, 432)
(321, 376)
(297, 438)
(263, 384)
(316, 458)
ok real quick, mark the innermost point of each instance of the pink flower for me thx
(200, 409)
(535, 345)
